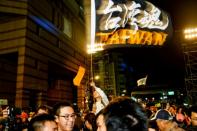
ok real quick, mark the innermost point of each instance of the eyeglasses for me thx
(194, 119)
(66, 116)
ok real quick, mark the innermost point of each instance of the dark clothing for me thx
(191, 128)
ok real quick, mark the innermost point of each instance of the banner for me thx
(79, 76)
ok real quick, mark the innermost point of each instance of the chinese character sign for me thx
(130, 22)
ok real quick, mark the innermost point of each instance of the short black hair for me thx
(58, 106)
(44, 107)
(123, 113)
(38, 121)
(91, 118)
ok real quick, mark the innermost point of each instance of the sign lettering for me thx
(130, 13)
(127, 36)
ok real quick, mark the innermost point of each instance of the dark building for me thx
(42, 45)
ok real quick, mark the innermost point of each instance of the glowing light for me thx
(190, 33)
(93, 48)
(92, 28)
(131, 14)
(44, 23)
(97, 77)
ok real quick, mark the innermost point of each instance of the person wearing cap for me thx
(161, 120)
(100, 97)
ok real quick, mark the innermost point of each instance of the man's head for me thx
(100, 121)
(162, 117)
(124, 113)
(43, 122)
(89, 121)
(43, 110)
(65, 116)
(193, 115)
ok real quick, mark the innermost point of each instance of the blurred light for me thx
(170, 93)
(185, 104)
(124, 91)
(93, 48)
(44, 23)
(165, 97)
(97, 77)
(123, 65)
(133, 98)
(190, 33)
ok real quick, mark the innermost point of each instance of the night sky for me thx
(166, 65)
(171, 68)
(183, 12)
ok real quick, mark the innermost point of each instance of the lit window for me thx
(67, 27)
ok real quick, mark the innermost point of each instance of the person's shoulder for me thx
(191, 128)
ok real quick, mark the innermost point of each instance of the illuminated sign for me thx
(3, 102)
(119, 15)
(170, 93)
(127, 36)
(130, 22)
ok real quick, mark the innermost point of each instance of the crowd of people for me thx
(120, 114)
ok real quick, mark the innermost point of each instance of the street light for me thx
(97, 77)
(93, 48)
(190, 33)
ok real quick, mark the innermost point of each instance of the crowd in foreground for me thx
(121, 114)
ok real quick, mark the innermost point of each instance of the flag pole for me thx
(92, 37)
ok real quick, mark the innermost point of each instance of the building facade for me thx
(42, 45)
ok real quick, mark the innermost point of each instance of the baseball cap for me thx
(162, 114)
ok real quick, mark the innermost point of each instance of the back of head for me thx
(43, 109)
(90, 117)
(125, 114)
(37, 123)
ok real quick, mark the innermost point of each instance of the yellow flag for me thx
(79, 76)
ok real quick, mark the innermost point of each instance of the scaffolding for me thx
(190, 58)
(104, 68)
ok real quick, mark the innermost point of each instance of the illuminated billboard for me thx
(130, 22)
